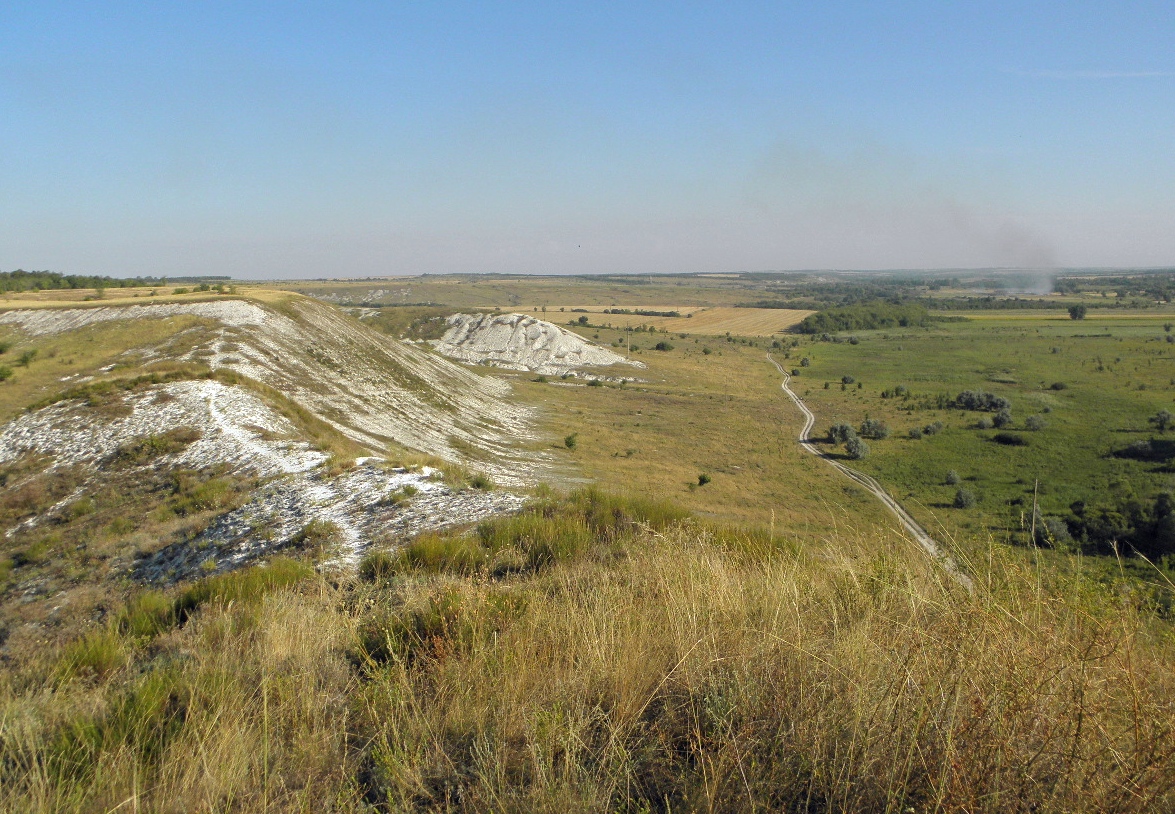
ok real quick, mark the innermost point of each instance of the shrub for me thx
(707, 351)
(933, 428)
(1076, 312)
(847, 380)
(841, 433)
(481, 481)
(1010, 439)
(953, 478)
(983, 423)
(1003, 418)
(964, 499)
(27, 357)
(1058, 386)
(805, 362)
(1163, 420)
(595, 383)
(856, 448)
(703, 479)
(980, 401)
(916, 433)
(662, 346)
(874, 429)
(4, 346)
(1035, 422)
(571, 440)
(5, 372)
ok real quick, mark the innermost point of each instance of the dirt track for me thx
(928, 543)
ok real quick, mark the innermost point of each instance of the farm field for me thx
(712, 321)
(1090, 385)
(516, 293)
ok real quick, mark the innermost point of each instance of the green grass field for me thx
(1116, 372)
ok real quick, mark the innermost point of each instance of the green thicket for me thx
(864, 317)
(21, 280)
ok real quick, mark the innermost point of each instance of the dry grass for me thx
(712, 321)
(722, 414)
(666, 667)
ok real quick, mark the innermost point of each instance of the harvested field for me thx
(693, 319)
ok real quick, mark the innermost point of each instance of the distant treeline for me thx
(640, 312)
(989, 304)
(986, 303)
(865, 317)
(21, 280)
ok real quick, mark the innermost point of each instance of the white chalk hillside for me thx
(373, 388)
(520, 342)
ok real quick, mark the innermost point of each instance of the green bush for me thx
(964, 499)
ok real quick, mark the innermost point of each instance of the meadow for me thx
(597, 653)
(1082, 392)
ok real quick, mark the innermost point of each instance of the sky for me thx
(353, 139)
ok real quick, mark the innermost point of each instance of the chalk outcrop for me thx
(521, 342)
(381, 392)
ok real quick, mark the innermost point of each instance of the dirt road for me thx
(928, 543)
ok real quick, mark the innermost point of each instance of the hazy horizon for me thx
(349, 140)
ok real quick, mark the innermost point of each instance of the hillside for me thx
(519, 342)
(382, 393)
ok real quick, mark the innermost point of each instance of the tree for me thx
(841, 433)
(1076, 312)
(582, 320)
(1163, 420)
(964, 499)
(873, 428)
(856, 448)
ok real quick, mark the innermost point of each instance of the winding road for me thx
(928, 543)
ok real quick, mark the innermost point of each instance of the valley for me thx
(369, 510)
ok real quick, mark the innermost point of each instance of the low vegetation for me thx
(604, 654)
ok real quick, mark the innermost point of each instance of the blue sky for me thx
(356, 139)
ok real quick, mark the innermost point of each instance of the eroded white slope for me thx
(371, 387)
(521, 342)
